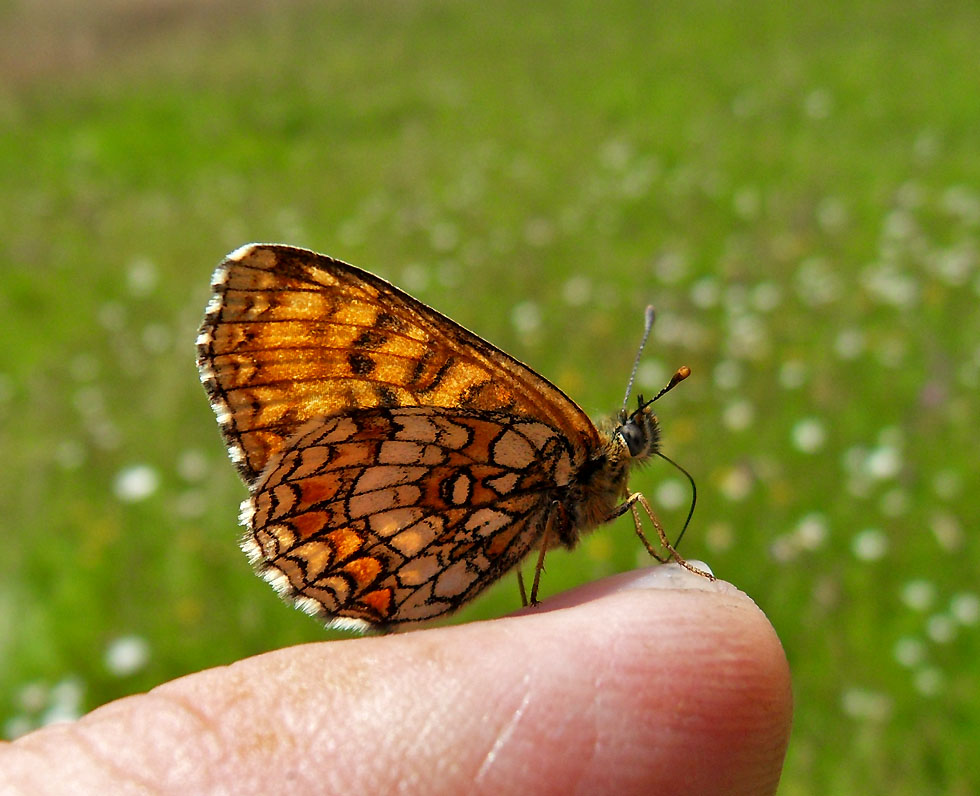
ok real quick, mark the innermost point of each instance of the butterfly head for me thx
(640, 431)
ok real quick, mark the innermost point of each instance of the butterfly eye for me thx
(634, 438)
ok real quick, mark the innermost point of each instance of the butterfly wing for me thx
(291, 335)
(383, 516)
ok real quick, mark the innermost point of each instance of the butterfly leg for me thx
(520, 585)
(545, 544)
(637, 499)
(539, 566)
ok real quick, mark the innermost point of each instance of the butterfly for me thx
(398, 464)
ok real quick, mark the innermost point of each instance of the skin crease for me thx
(656, 681)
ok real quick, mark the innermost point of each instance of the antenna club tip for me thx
(682, 373)
(649, 316)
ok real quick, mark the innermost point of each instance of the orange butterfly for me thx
(397, 464)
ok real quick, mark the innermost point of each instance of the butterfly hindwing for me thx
(384, 516)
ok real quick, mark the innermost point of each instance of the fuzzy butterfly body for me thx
(397, 464)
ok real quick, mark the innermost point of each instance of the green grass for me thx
(796, 189)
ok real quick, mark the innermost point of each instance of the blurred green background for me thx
(796, 187)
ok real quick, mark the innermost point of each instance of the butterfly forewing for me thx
(291, 335)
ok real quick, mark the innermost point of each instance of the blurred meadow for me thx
(795, 187)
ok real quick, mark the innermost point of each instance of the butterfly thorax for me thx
(601, 484)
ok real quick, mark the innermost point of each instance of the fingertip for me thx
(697, 659)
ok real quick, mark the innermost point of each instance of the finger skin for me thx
(646, 683)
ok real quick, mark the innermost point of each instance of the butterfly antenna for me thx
(648, 319)
(679, 375)
(694, 492)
